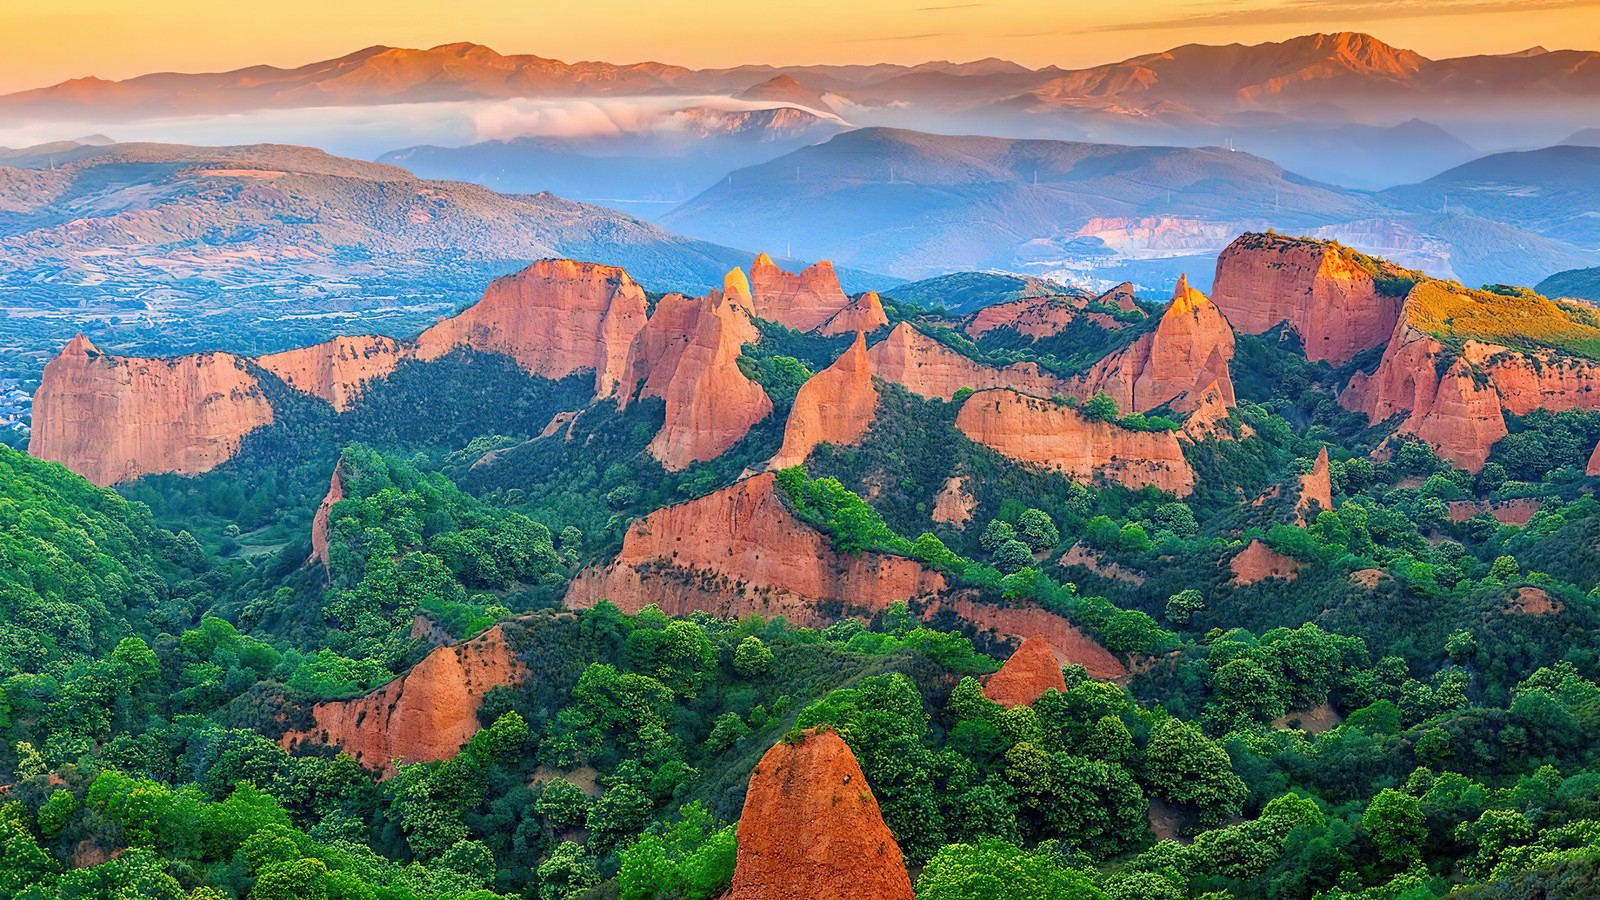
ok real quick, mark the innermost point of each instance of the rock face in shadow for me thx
(864, 314)
(320, 525)
(1188, 352)
(688, 355)
(740, 550)
(425, 715)
(1029, 672)
(556, 317)
(804, 301)
(924, 366)
(1059, 437)
(836, 405)
(112, 419)
(1330, 301)
(811, 828)
(339, 370)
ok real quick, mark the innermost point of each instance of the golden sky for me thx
(51, 40)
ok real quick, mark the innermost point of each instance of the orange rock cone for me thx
(1031, 670)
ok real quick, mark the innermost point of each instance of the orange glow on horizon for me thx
(53, 40)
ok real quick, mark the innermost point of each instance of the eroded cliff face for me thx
(320, 524)
(954, 505)
(740, 550)
(1210, 416)
(804, 301)
(1594, 462)
(1527, 381)
(1443, 403)
(339, 370)
(836, 405)
(1188, 352)
(1070, 646)
(688, 355)
(864, 314)
(1029, 672)
(1039, 317)
(926, 367)
(1057, 436)
(1316, 490)
(1330, 301)
(811, 828)
(556, 317)
(425, 715)
(1257, 561)
(112, 419)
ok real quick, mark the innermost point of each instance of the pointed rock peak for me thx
(79, 346)
(1186, 299)
(1031, 670)
(736, 285)
(811, 827)
(763, 261)
(855, 359)
(1122, 296)
(1594, 462)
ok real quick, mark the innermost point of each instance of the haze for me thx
(55, 40)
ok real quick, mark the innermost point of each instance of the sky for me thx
(48, 41)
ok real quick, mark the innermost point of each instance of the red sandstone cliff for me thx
(555, 317)
(1316, 490)
(425, 715)
(339, 370)
(1071, 646)
(837, 405)
(811, 828)
(1210, 416)
(112, 419)
(1329, 300)
(320, 524)
(924, 366)
(740, 550)
(1257, 561)
(804, 302)
(1187, 353)
(1058, 437)
(1029, 672)
(865, 313)
(688, 355)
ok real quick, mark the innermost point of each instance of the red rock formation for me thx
(1532, 601)
(953, 505)
(804, 302)
(1123, 297)
(1059, 437)
(865, 313)
(740, 550)
(924, 366)
(1454, 412)
(811, 828)
(1258, 561)
(1079, 555)
(688, 355)
(1594, 462)
(112, 419)
(1507, 512)
(1187, 353)
(555, 317)
(320, 526)
(1210, 416)
(1527, 381)
(1332, 303)
(425, 715)
(339, 370)
(837, 405)
(1316, 490)
(1031, 670)
(1072, 647)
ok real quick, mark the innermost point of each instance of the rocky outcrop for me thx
(555, 318)
(1079, 555)
(1185, 355)
(1057, 436)
(112, 419)
(1316, 490)
(1071, 646)
(1329, 300)
(836, 405)
(425, 715)
(1029, 672)
(688, 355)
(339, 370)
(1038, 317)
(1257, 561)
(925, 366)
(1441, 399)
(812, 828)
(740, 550)
(953, 505)
(1593, 468)
(1211, 415)
(321, 527)
(1527, 381)
(804, 302)
(864, 314)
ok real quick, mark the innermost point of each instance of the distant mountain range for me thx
(912, 204)
(1342, 107)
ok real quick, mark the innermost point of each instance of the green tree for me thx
(1393, 824)
(1037, 530)
(1182, 606)
(752, 657)
(1013, 556)
(998, 870)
